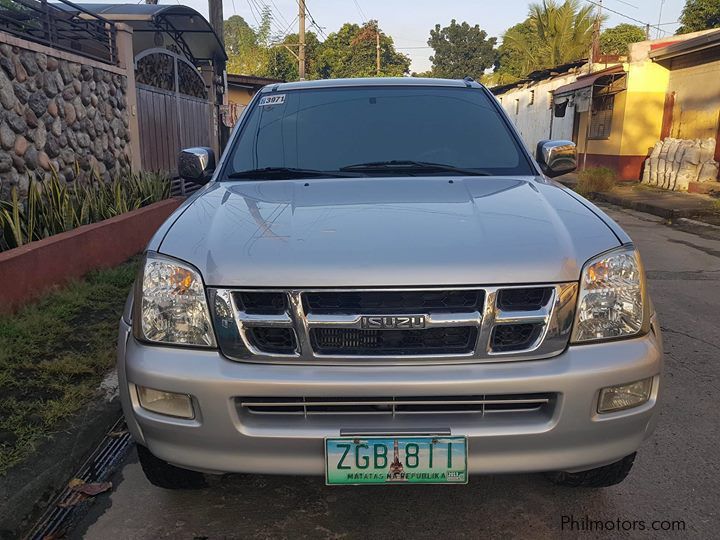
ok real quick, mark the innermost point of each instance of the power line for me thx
(279, 12)
(252, 12)
(313, 23)
(360, 11)
(627, 3)
(646, 24)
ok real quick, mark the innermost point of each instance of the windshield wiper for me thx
(413, 166)
(283, 173)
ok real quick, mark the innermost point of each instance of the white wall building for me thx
(529, 104)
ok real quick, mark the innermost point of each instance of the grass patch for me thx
(53, 354)
(595, 180)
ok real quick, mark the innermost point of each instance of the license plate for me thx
(396, 460)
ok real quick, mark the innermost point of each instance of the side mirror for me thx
(196, 164)
(556, 157)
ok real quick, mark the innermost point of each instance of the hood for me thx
(404, 231)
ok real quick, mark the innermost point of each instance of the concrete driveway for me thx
(675, 483)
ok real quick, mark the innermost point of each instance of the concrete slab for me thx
(666, 204)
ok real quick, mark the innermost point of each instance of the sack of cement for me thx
(662, 162)
(708, 172)
(651, 165)
(707, 149)
(646, 172)
(676, 180)
(688, 172)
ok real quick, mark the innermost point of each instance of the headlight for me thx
(611, 303)
(170, 304)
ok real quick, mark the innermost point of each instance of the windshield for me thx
(372, 130)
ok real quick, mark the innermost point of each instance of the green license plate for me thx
(396, 460)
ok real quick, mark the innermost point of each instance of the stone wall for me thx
(59, 116)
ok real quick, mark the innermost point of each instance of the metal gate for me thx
(174, 111)
(168, 123)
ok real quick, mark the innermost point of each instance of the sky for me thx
(409, 21)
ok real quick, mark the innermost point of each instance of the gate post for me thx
(126, 60)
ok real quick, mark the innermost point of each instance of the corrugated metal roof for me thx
(588, 80)
(678, 48)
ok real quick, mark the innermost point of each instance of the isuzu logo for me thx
(387, 322)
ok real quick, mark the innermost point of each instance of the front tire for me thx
(606, 476)
(161, 474)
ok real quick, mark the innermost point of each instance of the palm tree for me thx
(564, 31)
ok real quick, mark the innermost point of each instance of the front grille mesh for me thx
(450, 340)
(394, 302)
(274, 340)
(514, 337)
(262, 302)
(524, 299)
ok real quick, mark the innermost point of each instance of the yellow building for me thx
(241, 89)
(667, 88)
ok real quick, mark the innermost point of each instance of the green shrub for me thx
(595, 180)
(54, 206)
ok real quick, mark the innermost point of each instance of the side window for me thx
(601, 117)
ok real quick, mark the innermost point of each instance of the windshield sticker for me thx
(272, 100)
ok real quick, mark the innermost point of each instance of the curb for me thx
(696, 223)
(648, 208)
(28, 488)
(36, 267)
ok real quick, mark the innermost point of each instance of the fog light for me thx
(624, 396)
(168, 403)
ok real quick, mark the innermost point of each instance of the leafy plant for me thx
(595, 180)
(53, 206)
(699, 15)
(617, 40)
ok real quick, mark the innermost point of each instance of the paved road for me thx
(676, 476)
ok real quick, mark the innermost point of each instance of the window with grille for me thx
(601, 117)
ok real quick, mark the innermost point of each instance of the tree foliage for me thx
(461, 50)
(617, 40)
(513, 61)
(351, 51)
(242, 44)
(283, 64)
(565, 30)
(699, 15)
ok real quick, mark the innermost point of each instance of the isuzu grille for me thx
(380, 326)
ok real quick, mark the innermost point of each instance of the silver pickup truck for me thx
(379, 284)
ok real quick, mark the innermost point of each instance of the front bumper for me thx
(221, 439)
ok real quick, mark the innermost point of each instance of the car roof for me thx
(371, 81)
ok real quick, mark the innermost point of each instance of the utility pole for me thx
(377, 49)
(657, 34)
(216, 18)
(219, 82)
(595, 44)
(301, 40)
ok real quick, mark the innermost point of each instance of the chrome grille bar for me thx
(392, 406)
